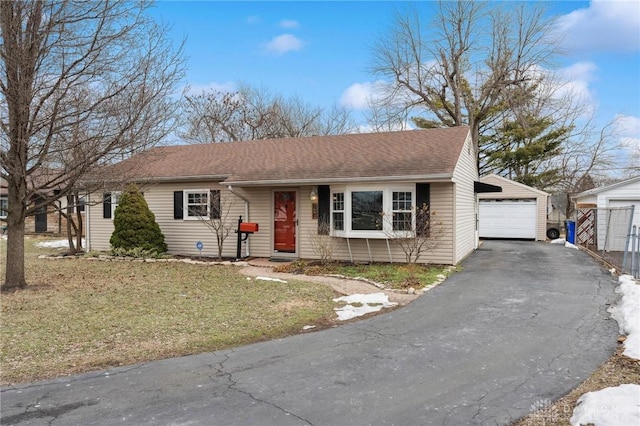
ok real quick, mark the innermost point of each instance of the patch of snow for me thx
(569, 245)
(373, 302)
(558, 241)
(616, 406)
(278, 280)
(620, 405)
(627, 313)
(55, 244)
(308, 327)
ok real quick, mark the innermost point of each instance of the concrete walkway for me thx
(521, 325)
(262, 267)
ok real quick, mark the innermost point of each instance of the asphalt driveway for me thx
(522, 324)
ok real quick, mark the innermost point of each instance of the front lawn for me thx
(79, 315)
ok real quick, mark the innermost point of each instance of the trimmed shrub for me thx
(135, 226)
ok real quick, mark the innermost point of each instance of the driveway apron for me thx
(521, 325)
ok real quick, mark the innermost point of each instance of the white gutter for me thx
(246, 213)
(443, 177)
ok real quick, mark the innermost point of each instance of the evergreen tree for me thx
(135, 226)
(521, 149)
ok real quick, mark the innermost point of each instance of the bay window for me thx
(365, 211)
(402, 211)
(338, 211)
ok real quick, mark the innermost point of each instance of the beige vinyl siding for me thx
(377, 250)
(515, 190)
(259, 212)
(98, 228)
(464, 175)
(180, 235)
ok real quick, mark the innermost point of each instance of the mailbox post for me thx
(244, 230)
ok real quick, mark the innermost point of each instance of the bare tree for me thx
(456, 69)
(586, 160)
(251, 114)
(322, 243)
(416, 232)
(83, 83)
(217, 217)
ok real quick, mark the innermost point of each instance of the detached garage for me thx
(518, 212)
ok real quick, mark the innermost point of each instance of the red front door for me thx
(284, 214)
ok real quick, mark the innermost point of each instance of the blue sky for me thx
(321, 51)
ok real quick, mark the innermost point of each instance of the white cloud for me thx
(283, 43)
(360, 95)
(288, 23)
(606, 25)
(628, 127)
(357, 95)
(577, 77)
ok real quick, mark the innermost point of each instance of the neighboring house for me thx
(591, 207)
(518, 212)
(46, 220)
(361, 184)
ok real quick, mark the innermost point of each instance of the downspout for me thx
(246, 213)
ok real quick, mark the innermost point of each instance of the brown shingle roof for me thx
(429, 152)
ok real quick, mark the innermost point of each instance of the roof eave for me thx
(443, 177)
(596, 191)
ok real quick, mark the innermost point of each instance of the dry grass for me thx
(392, 275)
(79, 315)
(617, 370)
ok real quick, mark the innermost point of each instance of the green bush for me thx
(135, 226)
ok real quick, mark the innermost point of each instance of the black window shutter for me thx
(422, 195)
(177, 205)
(324, 209)
(214, 201)
(106, 205)
(423, 209)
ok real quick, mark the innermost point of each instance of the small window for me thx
(338, 211)
(197, 204)
(82, 202)
(366, 210)
(4, 206)
(401, 209)
(115, 200)
(202, 204)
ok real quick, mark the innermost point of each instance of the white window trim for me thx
(115, 195)
(387, 205)
(6, 199)
(185, 202)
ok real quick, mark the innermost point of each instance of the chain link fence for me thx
(610, 234)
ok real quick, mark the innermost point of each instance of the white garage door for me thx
(507, 219)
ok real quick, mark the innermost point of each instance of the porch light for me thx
(314, 195)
